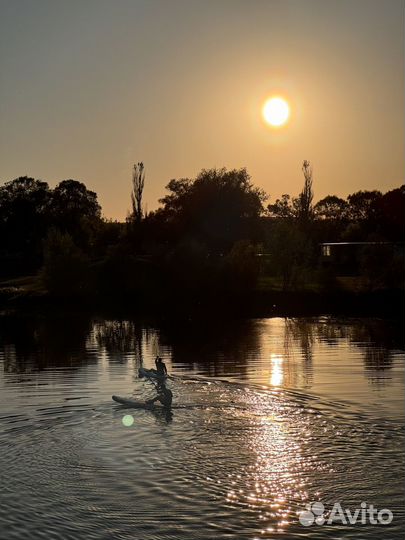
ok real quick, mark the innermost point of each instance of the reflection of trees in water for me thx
(20, 344)
(11, 364)
(118, 338)
(300, 333)
(377, 340)
(125, 339)
(226, 348)
(32, 343)
(375, 361)
(386, 334)
(331, 332)
(216, 347)
(382, 333)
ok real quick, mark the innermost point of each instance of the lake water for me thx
(270, 415)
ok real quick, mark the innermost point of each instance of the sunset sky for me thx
(88, 87)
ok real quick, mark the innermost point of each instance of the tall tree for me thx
(138, 183)
(304, 202)
(296, 207)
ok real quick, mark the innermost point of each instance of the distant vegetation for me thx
(213, 237)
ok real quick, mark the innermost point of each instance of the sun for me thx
(276, 111)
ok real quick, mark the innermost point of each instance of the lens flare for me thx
(128, 420)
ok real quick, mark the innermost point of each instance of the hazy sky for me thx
(88, 87)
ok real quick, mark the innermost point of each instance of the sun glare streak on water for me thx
(277, 372)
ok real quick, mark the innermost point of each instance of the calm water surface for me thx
(269, 415)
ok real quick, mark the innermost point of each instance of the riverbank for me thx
(25, 292)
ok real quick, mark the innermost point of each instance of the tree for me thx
(75, 210)
(304, 210)
(291, 253)
(283, 208)
(24, 206)
(362, 204)
(296, 207)
(179, 190)
(217, 209)
(331, 208)
(390, 210)
(71, 199)
(138, 183)
(382, 267)
(23, 200)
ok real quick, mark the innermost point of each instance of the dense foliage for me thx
(212, 235)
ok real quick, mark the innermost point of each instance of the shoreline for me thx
(384, 303)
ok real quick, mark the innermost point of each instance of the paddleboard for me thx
(137, 404)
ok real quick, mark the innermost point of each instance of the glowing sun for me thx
(276, 111)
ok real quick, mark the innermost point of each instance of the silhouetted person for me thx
(161, 368)
(164, 395)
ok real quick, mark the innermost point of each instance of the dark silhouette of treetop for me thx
(211, 238)
(305, 198)
(217, 207)
(283, 208)
(362, 204)
(72, 199)
(331, 207)
(24, 194)
(138, 183)
(391, 210)
(296, 207)
(75, 210)
(24, 206)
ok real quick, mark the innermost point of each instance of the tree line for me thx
(216, 234)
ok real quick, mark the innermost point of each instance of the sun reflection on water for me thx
(275, 483)
(277, 373)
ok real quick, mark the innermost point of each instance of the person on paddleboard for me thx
(161, 368)
(165, 396)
